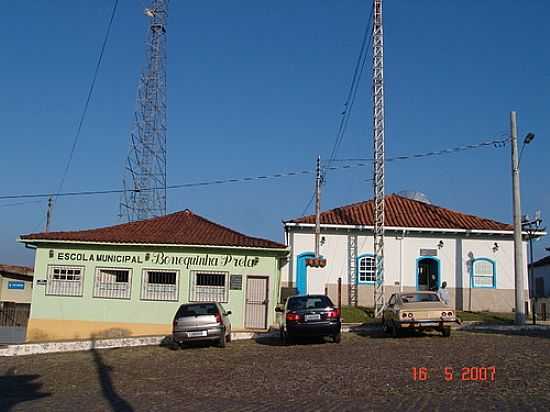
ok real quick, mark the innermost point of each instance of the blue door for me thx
(428, 273)
(301, 272)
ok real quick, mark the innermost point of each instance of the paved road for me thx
(362, 373)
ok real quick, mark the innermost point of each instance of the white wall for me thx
(455, 257)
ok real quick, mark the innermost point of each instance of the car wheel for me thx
(394, 330)
(385, 326)
(446, 331)
(221, 341)
(337, 338)
(228, 338)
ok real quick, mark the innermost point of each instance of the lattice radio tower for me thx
(378, 108)
(145, 170)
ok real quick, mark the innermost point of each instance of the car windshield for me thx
(308, 302)
(197, 310)
(419, 297)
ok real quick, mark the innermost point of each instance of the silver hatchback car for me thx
(205, 321)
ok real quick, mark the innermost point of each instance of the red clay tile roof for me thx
(181, 228)
(403, 212)
(16, 270)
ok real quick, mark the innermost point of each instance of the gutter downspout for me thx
(401, 259)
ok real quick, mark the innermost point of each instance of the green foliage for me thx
(487, 317)
(357, 314)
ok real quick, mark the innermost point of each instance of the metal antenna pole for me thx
(317, 206)
(145, 171)
(378, 105)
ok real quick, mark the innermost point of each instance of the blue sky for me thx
(257, 88)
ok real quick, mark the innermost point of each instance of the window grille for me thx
(483, 273)
(65, 281)
(160, 285)
(367, 269)
(112, 283)
(209, 287)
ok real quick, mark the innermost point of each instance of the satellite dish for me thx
(418, 196)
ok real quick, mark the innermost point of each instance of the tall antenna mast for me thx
(145, 172)
(378, 105)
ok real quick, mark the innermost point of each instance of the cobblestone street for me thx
(362, 373)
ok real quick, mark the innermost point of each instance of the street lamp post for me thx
(516, 194)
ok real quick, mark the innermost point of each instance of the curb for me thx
(86, 345)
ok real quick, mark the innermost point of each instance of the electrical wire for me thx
(350, 97)
(496, 143)
(88, 98)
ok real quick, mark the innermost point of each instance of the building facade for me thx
(129, 279)
(424, 245)
(540, 286)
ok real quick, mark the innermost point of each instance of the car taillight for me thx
(218, 318)
(443, 314)
(404, 315)
(449, 313)
(174, 322)
(293, 316)
(410, 315)
(333, 314)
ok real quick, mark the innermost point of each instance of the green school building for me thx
(129, 279)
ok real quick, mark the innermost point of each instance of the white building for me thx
(541, 284)
(424, 246)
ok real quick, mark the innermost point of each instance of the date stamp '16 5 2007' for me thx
(475, 373)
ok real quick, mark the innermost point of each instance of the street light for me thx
(518, 241)
(528, 139)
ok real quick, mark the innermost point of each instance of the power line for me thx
(88, 98)
(350, 97)
(354, 86)
(496, 143)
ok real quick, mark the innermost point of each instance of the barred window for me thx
(366, 269)
(65, 281)
(112, 283)
(160, 285)
(209, 287)
(483, 273)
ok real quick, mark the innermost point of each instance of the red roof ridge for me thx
(405, 212)
(178, 228)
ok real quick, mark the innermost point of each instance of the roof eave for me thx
(81, 242)
(413, 229)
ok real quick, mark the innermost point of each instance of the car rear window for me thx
(308, 302)
(197, 310)
(419, 297)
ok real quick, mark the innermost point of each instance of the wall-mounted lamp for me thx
(440, 244)
(495, 247)
(323, 240)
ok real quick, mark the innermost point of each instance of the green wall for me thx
(137, 258)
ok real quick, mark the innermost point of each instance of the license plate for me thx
(313, 317)
(196, 334)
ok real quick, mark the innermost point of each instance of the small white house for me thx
(541, 284)
(424, 245)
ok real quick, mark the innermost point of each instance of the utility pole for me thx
(532, 227)
(378, 114)
(317, 261)
(317, 206)
(48, 215)
(518, 246)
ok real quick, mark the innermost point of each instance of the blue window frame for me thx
(366, 269)
(484, 273)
